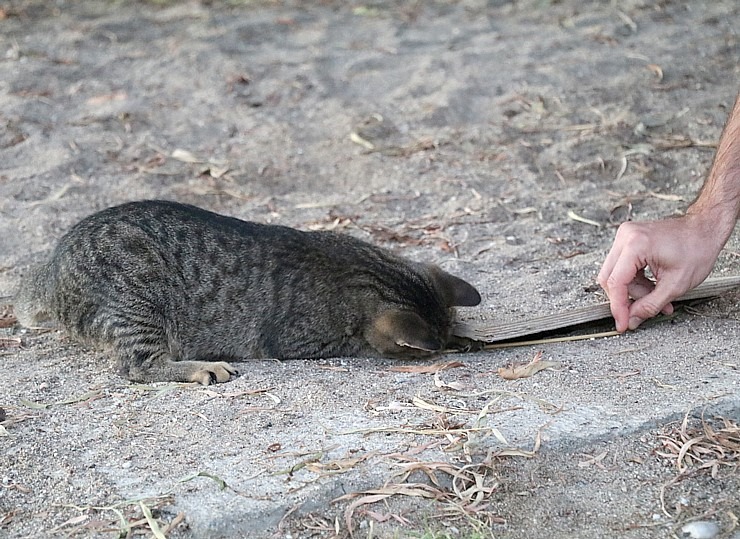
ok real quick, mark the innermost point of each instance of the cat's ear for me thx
(394, 328)
(455, 291)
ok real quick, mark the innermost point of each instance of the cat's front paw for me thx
(212, 373)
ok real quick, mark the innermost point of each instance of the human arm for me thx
(680, 252)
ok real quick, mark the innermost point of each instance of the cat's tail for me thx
(33, 298)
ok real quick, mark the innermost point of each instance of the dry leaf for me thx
(424, 405)
(357, 139)
(98, 100)
(7, 342)
(427, 369)
(232, 394)
(374, 496)
(33, 405)
(702, 447)
(185, 156)
(457, 386)
(56, 195)
(514, 452)
(515, 372)
(524, 211)
(7, 321)
(74, 520)
(331, 225)
(665, 196)
(338, 465)
(222, 485)
(595, 460)
(394, 406)
(657, 70)
(365, 500)
(216, 171)
(90, 395)
(151, 521)
(621, 213)
(573, 215)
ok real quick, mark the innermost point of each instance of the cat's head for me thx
(422, 327)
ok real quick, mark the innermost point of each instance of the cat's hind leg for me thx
(147, 352)
(142, 363)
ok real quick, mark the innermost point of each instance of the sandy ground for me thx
(504, 141)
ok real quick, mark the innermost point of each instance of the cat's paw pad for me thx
(213, 373)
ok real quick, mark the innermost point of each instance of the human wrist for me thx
(712, 222)
(719, 198)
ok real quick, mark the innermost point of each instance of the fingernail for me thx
(634, 322)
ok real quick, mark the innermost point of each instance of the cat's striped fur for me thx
(174, 289)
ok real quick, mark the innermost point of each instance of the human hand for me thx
(680, 253)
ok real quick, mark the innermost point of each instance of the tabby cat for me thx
(174, 290)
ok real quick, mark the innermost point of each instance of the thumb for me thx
(651, 304)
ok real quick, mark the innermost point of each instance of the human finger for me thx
(640, 286)
(617, 287)
(608, 266)
(651, 304)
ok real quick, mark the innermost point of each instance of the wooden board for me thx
(491, 332)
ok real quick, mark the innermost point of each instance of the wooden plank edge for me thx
(502, 331)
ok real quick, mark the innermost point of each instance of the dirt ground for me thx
(504, 141)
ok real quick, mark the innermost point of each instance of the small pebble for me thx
(2, 415)
(700, 529)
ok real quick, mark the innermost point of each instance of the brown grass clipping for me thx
(697, 447)
(709, 445)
